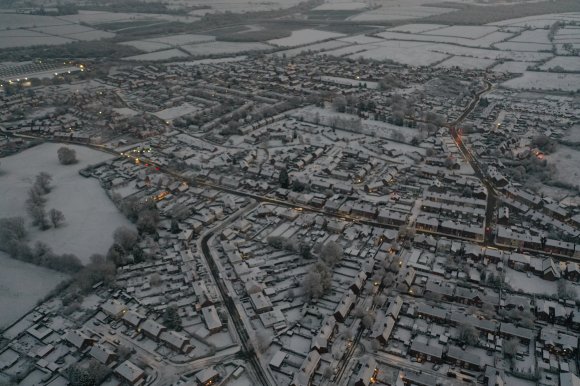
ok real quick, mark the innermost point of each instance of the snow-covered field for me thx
(349, 82)
(566, 160)
(10, 41)
(167, 42)
(411, 53)
(481, 41)
(91, 217)
(316, 47)
(221, 48)
(520, 46)
(512, 67)
(341, 5)
(467, 63)
(19, 30)
(467, 32)
(545, 81)
(469, 47)
(533, 36)
(21, 286)
(417, 28)
(539, 21)
(20, 20)
(159, 55)
(241, 6)
(304, 36)
(177, 111)
(401, 12)
(568, 63)
(101, 17)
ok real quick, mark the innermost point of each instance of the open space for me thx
(21, 286)
(91, 217)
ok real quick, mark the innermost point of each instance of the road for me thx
(468, 156)
(239, 327)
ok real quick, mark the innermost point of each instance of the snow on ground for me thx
(360, 39)
(217, 48)
(9, 40)
(484, 41)
(304, 36)
(573, 134)
(489, 54)
(101, 17)
(545, 81)
(566, 160)
(316, 47)
(512, 67)
(568, 63)
(21, 20)
(539, 21)
(165, 42)
(467, 63)
(18, 30)
(159, 55)
(468, 32)
(417, 28)
(214, 61)
(179, 40)
(349, 82)
(401, 12)
(242, 6)
(341, 5)
(91, 217)
(146, 45)
(176, 112)
(517, 46)
(411, 53)
(533, 36)
(21, 286)
(530, 285)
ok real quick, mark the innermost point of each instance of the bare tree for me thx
(368, 319)
(155, 280)
(263, 340)
(331, 253)
(67, 156)
(468, 334)
(125, 237)
(510, 348)
(56, 217)
(43, 180)
(312, 285)
(12, 229)
(388, 279)
(39, 217)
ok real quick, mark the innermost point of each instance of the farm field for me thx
(223, 48)
(21, 286)
(340, 5)
(168, 42)
(158, 55)
(545, 81)
(469, 47)
(566, 160)
(19, 30)
(467, 63)
(540, 21)
(102, 17)
(512, 67)
(567, 63)
(304, 36)
(91, 217)
(324, 46)
(403, 12)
